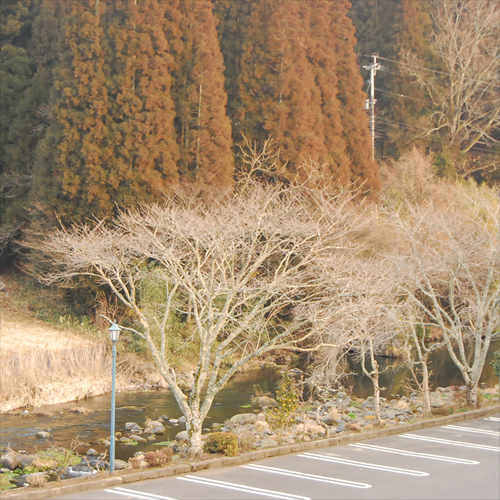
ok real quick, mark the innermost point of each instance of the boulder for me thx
(181, 420)
(124, 440)
(267, 443)
(340, 426)
(243, 418)
(121, 464)
(132, 427)
(11, 460)
(43, 435)
(182, 436)
(91, 452)
(327, 419)
(266, 401)
(155, 427)
(137, 438)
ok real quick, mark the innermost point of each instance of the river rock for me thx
(11, 460)
(243, 418)
(125, 440)
(340, 426)
(182, 436)
(151, 437)
(267, 443)
(265, 401)
(121, 464)
(43, 435)
(91, 452)
(132, 427)
(327, 419)
(137, 438)
(154, 427)
(181, 420)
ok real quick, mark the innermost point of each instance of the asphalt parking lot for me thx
(460, 461)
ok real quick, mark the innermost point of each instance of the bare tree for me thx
(358, 311)
(242, 266)
(465, 92)
(418, 347)
(451, 260)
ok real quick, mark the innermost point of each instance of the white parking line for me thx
(495, 419)
(472, 429)
(449, 441)
(240, 487)
(365, 465)
(415, 454)
(137, 494)
(304, 475)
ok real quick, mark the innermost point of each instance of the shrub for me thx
(287, 398)
(225, 442)
(157, 458)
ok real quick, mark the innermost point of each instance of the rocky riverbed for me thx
(338, 414)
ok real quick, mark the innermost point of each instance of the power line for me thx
(432, 70)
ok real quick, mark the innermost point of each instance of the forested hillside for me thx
(107, 103)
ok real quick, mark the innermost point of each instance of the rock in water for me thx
(243, 418)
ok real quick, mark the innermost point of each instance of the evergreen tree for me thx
(352, 98)
(278, 93)
(204, 128)
(111, 141)
(16, 74)
(144, 150)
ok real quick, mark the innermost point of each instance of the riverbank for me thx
(105, 480)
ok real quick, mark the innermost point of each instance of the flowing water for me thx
(65, 426)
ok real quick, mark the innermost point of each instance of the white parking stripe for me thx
(365, 465)
(415, 454)
(472, 429)
(449, 441)
(240, 487)
(304, 475)
(137, 494)
(495, 419)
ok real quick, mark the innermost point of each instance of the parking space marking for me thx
(415, 454)
(386, 468)
(304, 475)
(471, 429)
(137, 494)
(240, 487)
(495, 419)
(451, 442)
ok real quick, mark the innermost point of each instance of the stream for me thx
(19, 432)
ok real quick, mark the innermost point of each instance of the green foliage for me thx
(496, 363)
(163, 443)
(351, 415)
(287, 397)
(63, 457)
(5, 478)
(355, 404)
(222, 442)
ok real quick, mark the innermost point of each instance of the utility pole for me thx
(373, 67)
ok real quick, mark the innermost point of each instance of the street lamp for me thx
(114, 333)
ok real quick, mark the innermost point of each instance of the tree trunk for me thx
(194, 426)
(376, 392)
(425, 390)
(472, 396)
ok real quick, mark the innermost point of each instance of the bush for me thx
(225, 442)
(158, 458)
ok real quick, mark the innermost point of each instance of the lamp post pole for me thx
(114, 332)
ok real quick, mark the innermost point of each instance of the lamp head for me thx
(114, 332)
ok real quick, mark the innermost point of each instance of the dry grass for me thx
(41, 377)
(37, 479)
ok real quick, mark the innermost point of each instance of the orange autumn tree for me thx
(204, 130)
(145, 152)
(111, 136)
